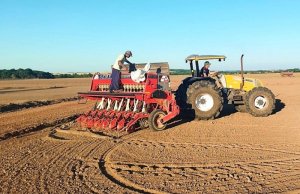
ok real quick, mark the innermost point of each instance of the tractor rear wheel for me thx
(260, 102)
(206, 99)
(155, 120)
(180, 96)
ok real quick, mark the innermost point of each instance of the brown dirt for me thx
(32, 104)
(236, 153)
(13, 122)
(20, 91)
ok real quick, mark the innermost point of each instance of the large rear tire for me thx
(260, 102)
(180, 96)
(155, 120)
(206, 99)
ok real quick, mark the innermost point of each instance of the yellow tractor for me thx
(207, 95)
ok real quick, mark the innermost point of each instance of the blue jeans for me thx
(115, 80)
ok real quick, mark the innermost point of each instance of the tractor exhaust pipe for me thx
(242, 73)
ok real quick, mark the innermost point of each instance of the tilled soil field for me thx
(43, 151)
(34, 90)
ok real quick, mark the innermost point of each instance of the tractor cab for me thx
(194, 59)
(223, 81)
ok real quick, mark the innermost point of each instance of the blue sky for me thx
(68, 36)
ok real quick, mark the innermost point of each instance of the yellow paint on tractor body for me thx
(234, 82)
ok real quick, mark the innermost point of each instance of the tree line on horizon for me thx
(24, 74)
(34, 74)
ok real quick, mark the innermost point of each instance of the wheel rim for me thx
(144, 123)
(260, 102)
(158, 120)
(204, 102)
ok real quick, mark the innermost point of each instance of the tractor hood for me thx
(234, 82)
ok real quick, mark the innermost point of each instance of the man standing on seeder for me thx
(116, 73)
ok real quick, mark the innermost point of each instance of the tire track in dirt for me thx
(54, 163)
(38, 127)
(29, 120)
(107, 169)
(22, 163)
(146, 143)
(216, 175)
(32, 104)
(80, 164)
(75, 161)
(67, 156)
(62, 157)
(85, 165)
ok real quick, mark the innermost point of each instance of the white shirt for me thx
(116, 64)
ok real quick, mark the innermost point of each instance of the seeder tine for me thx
(113, 124)
(93, 113)
(121, 104)
(101, 104)
(118, 115)
(121, 124)
(128, 114)
(107, 114)
(100, 113)
(144, 107)
(97, 124)
(84, 120)
(112, 114)
(80, 118)
(105, 123)
(127, 105)
(90, 122)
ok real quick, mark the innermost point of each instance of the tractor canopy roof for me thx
(205, 57)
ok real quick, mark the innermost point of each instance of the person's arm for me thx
(126, 60)
(131, 65)
(213, 73)
(122, 65)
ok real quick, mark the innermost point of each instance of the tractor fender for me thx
(181, 92)
(190, 80)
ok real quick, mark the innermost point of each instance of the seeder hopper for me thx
(149, 103)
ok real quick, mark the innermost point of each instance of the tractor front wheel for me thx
(155, 120)
(260, 102)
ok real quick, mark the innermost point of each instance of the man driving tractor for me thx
(204, 72)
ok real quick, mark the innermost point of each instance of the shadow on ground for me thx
(186, 116)
(279, 105)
